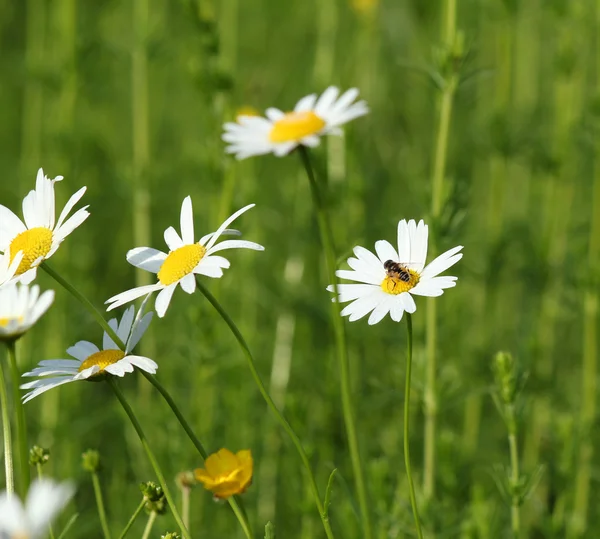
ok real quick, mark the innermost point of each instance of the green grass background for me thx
(128, 98)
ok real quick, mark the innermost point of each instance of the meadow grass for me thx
(484, 122)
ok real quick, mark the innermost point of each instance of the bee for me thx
(397, 270)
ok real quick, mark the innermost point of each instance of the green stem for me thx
(185, 506)
(265, 394)
(22, 447)
(411, 485)
(86, 303)
(138, 510)
(149, 524)
(515, 474)
(340, 342)
(149, 454)
(165, 394)
(437, 198)
(100, 505)
(8, 457)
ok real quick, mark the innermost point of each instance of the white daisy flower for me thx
(91, 362)
(281, 132)
(185, 259)
(45, 499)
(39, 236)
(20, 308)
(390, 279)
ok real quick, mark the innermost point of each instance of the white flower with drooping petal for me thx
(45, 499)
(279, 133)
(185, 260)
(390, 279)
(39, 236)
(90, 361)
(20, 308)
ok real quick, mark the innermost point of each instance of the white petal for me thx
(348, 292)
(425, 288)
(69, 206)
(146, 258)
(214, 260)
(367, 257)
(227, 221)
(41, 387)
(418, 254)
(172, 239)
(363, 305)
(13, 519)
(274, 114)
(130, 295)
(82, 350)
(120, 368)
(107, 342)
(10, 226)
(226, 232)
(186, 221)
(408, 302)
(326, 100)
(126, 324)
(397, 309)
(139, 329)
(235, 244)
(442, 263)
(144, 363)
(163, 299)
(188, 283)
(358, 276)
(403, 242)
(306, 103)
(45, 500)
(209, 270)
(60, 233)
(385, 251)
(381, 310)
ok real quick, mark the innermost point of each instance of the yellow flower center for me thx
(295, 126)
(5, 321)
(35, 243)
(396, 285)
(103, 359)
(180, 263)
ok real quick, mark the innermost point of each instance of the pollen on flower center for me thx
(180, 263)
(395, 285)
(296, 125)
(103, 359)
(35, 243)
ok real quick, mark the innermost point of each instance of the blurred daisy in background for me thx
(39, 236)
(390, 279)
(90, 362)
(225, 473)
(185, 260)
(45, 499)
(20, 308)
(280, 132)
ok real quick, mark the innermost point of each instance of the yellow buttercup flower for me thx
(226, 474)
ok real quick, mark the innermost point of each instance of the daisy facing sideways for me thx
(185, 259)
(90, 362)
(20, 308)
(39, 236)
(280, 132)
(389, 280)
(45, 500)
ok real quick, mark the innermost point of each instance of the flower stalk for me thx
(22, 447)
(6, 434)
(340, 343)
(278, 415)
(411, 485)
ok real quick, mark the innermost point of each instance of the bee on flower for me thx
(280, 132)
(186, 259)
(225, 473)
(91, 362)
(20, 308)
(39, 235)
(387, 282)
